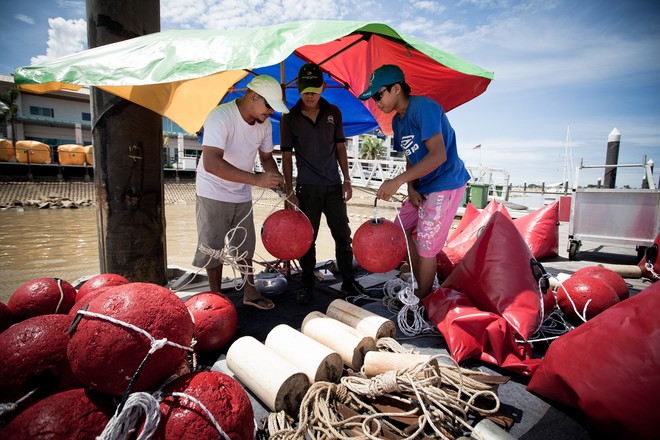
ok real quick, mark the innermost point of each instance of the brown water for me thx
(63, 243)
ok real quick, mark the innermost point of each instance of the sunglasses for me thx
(265, 102)
(379, 95)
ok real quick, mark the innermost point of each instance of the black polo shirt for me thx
(314, 144)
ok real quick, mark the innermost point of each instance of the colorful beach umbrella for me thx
(183, 74)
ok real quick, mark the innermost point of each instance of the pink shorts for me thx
(431, 222)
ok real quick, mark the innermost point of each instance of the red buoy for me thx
(226, 400)
(101, 280)
(582, 289)
(379, 245)
(42, 296)
(216, 320)
(6, 318)
(105, 355)
(613, 279)
(287, 234)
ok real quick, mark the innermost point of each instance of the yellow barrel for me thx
(7, 151)
(89, 155)
(71, 154)
(38, 152)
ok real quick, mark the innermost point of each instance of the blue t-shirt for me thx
(424, 118)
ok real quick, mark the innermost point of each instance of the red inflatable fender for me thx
(287, 234)
(98, 281)
(33, 354)
(75, 414)
(226, 400)
(42, 296)
(608, 368)
(105, 355)
(497, 274)
(216, 320)
(469, 214)
(540, 230)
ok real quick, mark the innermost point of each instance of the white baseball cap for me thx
(268, 87)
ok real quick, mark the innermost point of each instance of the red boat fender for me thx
(497, 275)
(611, 278)
(215, 318)
(470, 214)
(379, 245)
(581, 289)
(287, 234)
(33, 354)
(608, 368)
(42, 296)
(75, 414)
(226, 400)
(101, 280)
(540, 230)
(105, 355)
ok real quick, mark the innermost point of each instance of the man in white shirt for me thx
(234, 133)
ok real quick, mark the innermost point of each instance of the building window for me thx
(42, 111)
(86, 116)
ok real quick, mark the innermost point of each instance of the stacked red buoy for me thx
(611, 278)
(287, 234)
(226, 400)
(584, 290)
(216, 320)
(105, 355)
(42, 296)
(379, 245)
(98, 281)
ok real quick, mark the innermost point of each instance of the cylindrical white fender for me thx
(362, 320)
(487, 430)
(379, 362)
(348, 342)
(311, 357)
(279, 384)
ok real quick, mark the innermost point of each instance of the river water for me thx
(63, 243)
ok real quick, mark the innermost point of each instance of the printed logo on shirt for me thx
(408, 144)
(331, 120)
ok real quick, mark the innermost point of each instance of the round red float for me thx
(379, 245)
(611, 278)
(226, 400)
(74, 414)
(6, 318)
(105, 355)
(42, 296)
(287, 234)
(101, 280)
(215, 319)
(33, 354)
(581, 289)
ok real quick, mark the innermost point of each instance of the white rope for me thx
(59, 285)
(13, 406)
(122, 425)
(410, 303)
(649, 267)
(215, 423)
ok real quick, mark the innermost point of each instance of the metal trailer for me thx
(620, 217)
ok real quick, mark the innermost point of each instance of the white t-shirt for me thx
(226, 129)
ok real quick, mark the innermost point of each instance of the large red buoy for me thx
(105, 355)
(101, 280)
(215, 319)
(582, 289)
(226, 400)
(613, 279)
(74, 414)
(287, 234)
(42, 296)
(33, 354)
(379, 245)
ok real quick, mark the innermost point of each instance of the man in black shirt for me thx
(313, 129)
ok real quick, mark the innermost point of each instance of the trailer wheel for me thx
(572, 250)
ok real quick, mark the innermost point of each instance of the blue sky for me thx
(564, 69)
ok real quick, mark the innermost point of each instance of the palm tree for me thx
(9, 112)
(371, 148)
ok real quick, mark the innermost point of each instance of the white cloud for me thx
(64, 38)
(24, 18)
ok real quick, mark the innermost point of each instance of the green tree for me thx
(372, 148)
(9, 111)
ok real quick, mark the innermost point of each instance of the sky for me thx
(566, 72)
